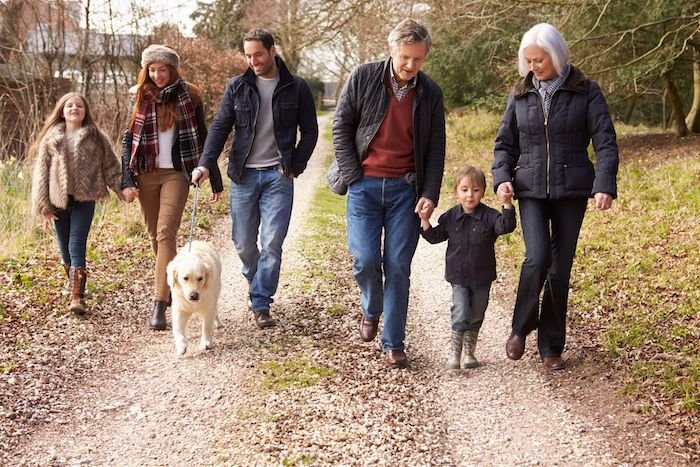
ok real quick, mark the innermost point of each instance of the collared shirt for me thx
(400, 91)
(470, 259)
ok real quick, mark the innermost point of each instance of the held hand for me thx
(505, 192)
(603, 201)
(199, 174)
(130, 193)
(424, 208)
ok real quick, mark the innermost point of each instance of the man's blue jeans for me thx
(261, 203)
(550, 230)
(382, 270)
(72, 229)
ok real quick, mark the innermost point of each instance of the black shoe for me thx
(263, 319)
(157, 321)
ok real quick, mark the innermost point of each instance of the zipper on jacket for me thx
(546, 137)
(549, 156)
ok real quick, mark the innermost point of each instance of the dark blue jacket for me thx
(549, 158)
(361, 109)
(292, 106)
(471, 257)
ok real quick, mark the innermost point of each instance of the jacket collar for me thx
(57, 134)
(284, 73)
(576, 82)
(477, 213)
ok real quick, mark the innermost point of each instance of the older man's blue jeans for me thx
(261, 204)
(382, 265)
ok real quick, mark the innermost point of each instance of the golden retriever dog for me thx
(194, 277)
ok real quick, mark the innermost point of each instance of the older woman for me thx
(541, 157)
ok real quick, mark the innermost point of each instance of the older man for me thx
(389, 140)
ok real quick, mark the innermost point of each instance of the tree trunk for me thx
(692, 120)
(629, 111)
(679, 126)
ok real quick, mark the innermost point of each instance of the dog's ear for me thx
(207, 274)
(171, 273)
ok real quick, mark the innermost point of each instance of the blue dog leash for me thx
(194, 212)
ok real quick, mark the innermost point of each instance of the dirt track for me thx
(148, 407)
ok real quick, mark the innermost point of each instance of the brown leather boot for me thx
(77, 278)
(157, 321)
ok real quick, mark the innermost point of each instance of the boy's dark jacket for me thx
(470, 259)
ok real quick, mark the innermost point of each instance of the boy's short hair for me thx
(474, 175)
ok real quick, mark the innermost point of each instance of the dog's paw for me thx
(180, 346)
(206, 344)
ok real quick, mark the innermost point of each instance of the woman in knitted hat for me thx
(162, 145)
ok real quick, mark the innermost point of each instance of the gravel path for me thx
(149, 407)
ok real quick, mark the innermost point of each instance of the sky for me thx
(172, 11)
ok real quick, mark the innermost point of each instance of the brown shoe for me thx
(368, 328)
(554, 363)
(263, 319)
(395, 358)
(515, 346)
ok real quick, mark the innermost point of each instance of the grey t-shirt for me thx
(264, 151)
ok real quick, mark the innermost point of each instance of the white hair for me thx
(550, 39)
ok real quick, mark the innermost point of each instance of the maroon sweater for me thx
(390, 154)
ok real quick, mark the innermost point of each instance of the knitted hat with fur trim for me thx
(160, 53)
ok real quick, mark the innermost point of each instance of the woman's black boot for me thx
(157, 321)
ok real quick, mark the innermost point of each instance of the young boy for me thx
(471, 229)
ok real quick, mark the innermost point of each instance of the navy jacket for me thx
(292, 106)
(470, 259)
(361, 109)
(549, 158)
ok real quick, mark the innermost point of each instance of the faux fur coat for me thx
(96, 168)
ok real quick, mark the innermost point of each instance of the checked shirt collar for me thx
(400, 91)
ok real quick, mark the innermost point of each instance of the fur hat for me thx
(160, 53)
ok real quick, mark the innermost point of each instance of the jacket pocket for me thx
(524, 179)
(242, 114)
(578, 177)
(289, 113)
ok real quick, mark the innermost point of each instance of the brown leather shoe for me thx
(515, 346)
(554, 363)
(395, 358)
(368, 328)
(263, 319)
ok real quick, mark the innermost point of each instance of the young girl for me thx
(74, 164)
(162, 145)
(471, 229)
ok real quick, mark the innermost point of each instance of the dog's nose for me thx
(194, 296)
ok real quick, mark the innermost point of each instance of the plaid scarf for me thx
(145, 133)
(546, 89)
